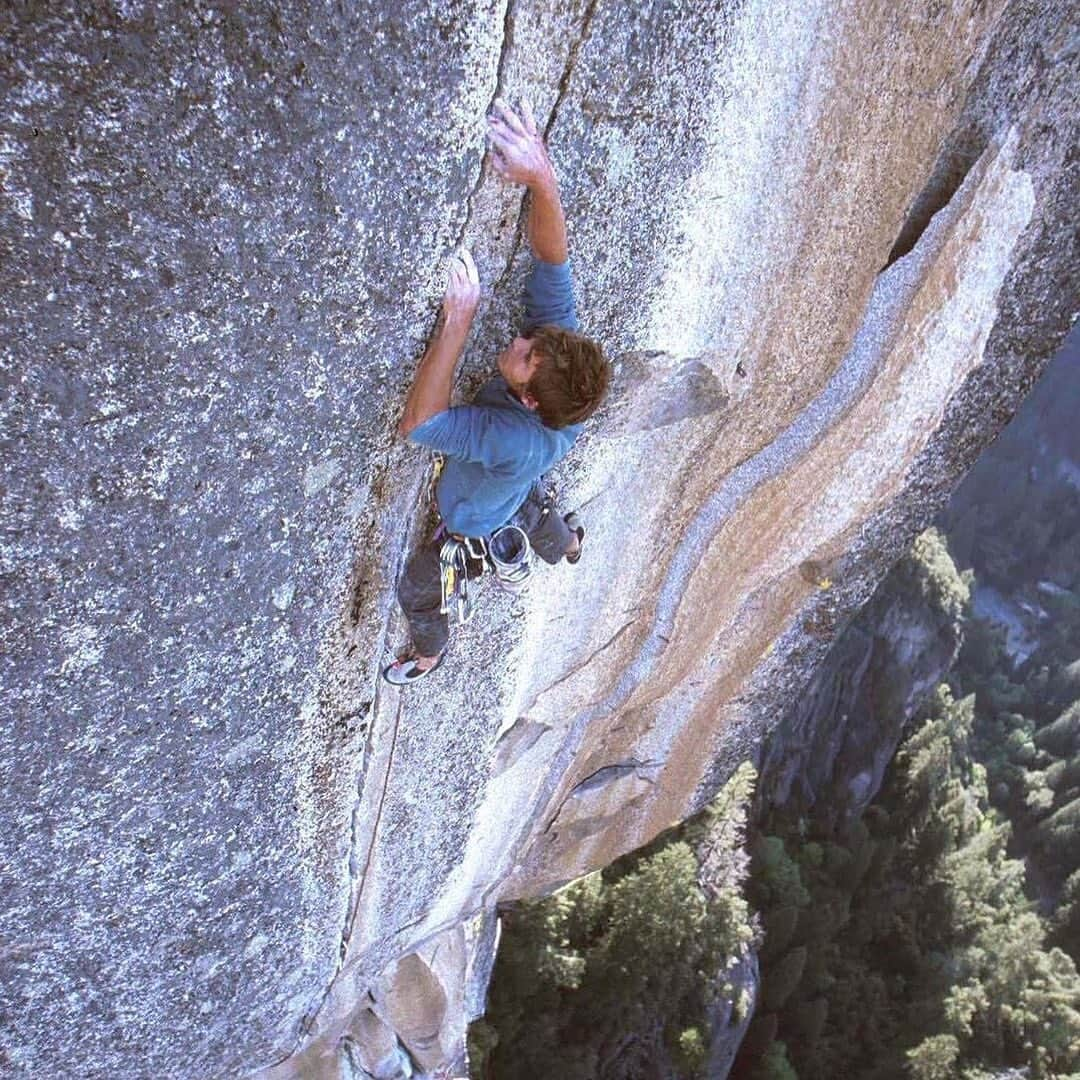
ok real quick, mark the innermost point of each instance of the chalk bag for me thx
(511, 557)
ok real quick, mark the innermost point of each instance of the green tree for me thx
(779, 926)
(611, 977)
(1059, 837)
(932, 962)
(1062, 737)
(782, 978)
(690, 1051)
(777, 879)
(934, 1058)
(775, 1064)
(943, 587)
(1065, 928)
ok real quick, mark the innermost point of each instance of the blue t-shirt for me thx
(496, 448)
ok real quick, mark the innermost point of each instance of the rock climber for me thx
(521, 422)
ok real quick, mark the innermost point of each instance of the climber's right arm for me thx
(520, 156)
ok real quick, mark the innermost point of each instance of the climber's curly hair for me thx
(572, 378)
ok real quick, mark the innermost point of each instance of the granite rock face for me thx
(828, 244)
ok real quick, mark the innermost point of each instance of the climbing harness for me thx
(507, 553)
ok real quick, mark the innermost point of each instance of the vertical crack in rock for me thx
(560, 95)
(357, 873)
(355, 877)
(571, 65)
(500, 68)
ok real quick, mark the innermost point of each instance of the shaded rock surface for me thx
(727, 1022)
(225, 230)
(829, 754)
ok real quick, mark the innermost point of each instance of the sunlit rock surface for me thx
(828, 246)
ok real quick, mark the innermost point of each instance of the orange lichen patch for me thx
(860, 463)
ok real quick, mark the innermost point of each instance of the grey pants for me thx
(420, 589)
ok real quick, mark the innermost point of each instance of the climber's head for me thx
(560, 374)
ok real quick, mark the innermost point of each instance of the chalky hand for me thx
(517, 148)
(462, 289)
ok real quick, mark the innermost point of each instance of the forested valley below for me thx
(930, 932)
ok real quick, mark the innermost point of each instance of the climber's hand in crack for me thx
(519, 155)
(517, 148)
(462, 290)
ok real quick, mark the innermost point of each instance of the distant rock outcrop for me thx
(827, 244)
(828, 756)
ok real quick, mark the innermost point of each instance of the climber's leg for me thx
(577, 537)
(550, 536)
(420, 595)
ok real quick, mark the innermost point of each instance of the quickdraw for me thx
(454, 558)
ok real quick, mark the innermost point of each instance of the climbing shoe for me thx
(573, 523)
(404, 671)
